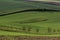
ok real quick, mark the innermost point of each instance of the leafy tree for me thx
(37, 30)
(49, 30)
(54, 30)
(29, 29)
(23, 28)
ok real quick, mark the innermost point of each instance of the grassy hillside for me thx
(28, 23)
(10, 6)
(35, 23)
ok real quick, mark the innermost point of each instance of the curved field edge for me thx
(5, 33)
(29, 10)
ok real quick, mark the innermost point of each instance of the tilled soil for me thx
(28, 38)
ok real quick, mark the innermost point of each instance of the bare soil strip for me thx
(28, 38)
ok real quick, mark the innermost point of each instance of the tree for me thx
(58, 31)
(29, 29)
(54, 30)
(37, 30)
(49, 30)
(24, 28)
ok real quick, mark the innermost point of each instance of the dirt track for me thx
(29, 38)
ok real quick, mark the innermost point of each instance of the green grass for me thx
(11, 5)
(27, 23)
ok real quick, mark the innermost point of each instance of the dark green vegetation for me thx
(7, 6)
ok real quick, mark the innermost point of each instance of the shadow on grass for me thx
(34, 20)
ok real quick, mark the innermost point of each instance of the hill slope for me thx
(28, 23)
(35, 23)
(10, 6)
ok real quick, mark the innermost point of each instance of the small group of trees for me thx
(26, 29)
(37, 30)
(50, 30)
(29, 29)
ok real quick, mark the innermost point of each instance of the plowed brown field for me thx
(28, 38)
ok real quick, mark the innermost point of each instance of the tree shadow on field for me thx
(33, 20)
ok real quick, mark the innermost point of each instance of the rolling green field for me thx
(12, 5)
(30, 23)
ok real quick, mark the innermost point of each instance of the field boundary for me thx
(27, 10)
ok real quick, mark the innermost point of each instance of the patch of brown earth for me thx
(28, 38)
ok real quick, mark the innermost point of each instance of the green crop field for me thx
(11, 5)
(32, 23)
